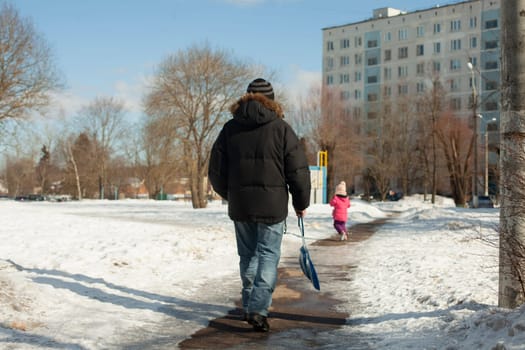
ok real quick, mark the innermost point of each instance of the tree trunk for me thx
(198, 195)
(512, 157)
(71, 157)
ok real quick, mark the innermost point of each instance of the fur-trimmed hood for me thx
(256, 109)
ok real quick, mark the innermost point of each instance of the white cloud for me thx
(300, 82)
(67, 103)
(130, 94)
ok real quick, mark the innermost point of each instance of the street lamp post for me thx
(487, 156)
(475, 116)
(486, 192)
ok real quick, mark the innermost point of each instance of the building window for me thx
(437, 47)
(402, 52)
(455, 45)
(387, 91)
(344, 78)
(473, 22)
(372, 61)
(491, 24)
(492, 44)
(372, 43)
(329, 80)
(388, 55)
(492, 126)
(420, 31)
(455, 103)
(473, 42)
(454, 85)
(402, 71)
(436, 66)
(329, 63)
(455, 65)
(491, 65)
(345, 43)
(420, 69)
(344, 60)
(491, 106)
(388, 36)
(455, 26)
(420, 87)
(357, 76)
(491, 85)
(357, 94)
(372, 97)
(387, 72)
(345, 95)
(358, 58)
(437, 28)
(403, 34)
(402, 89)
(357, 41)
(420, 50)
(372, 79)
(329, 46)
(372, 115)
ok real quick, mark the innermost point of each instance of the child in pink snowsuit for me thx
(341, 203)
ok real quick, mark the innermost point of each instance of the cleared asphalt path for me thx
(299, 314)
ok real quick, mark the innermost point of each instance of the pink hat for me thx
(341, 189)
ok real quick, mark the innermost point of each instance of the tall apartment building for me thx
(395, 54)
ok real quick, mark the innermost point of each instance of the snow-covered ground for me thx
(129, 274)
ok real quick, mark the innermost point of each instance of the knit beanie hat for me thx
(261, 86)
(341, 189)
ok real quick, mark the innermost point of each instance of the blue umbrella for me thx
(306, 262)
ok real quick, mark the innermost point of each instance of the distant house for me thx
(133, 188)
(178, 189)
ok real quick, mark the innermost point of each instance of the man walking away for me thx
(256, 161)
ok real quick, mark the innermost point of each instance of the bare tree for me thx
(380, 157)
(80, 169)
(20, 175)
(163, 154)
(27, 73)
(454, 136)
(323, 118)
(23, 145)
(71, 159)
(104, 121)
(390, 143)
(193, 89)
(42, 168)
(431, 104)
(512, 157)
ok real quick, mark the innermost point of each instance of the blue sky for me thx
(110, 47)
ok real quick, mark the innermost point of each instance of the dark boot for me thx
(259, 323)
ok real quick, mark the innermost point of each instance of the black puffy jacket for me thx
(256, 160)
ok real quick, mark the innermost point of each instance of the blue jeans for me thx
(259, 249)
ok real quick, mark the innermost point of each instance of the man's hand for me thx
(300, 213)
